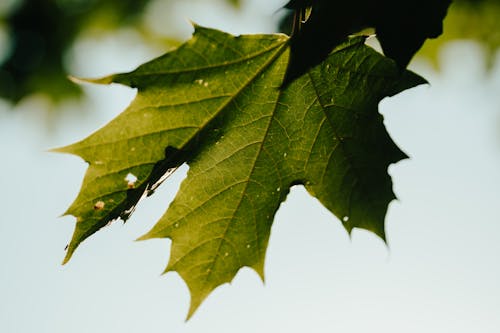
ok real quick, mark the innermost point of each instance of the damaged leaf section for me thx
(151, 137)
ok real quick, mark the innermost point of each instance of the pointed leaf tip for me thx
(62, 150)
(101, 80)
(69, 253)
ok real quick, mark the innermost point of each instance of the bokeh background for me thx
(439, 273)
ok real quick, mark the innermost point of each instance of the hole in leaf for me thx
(130, 178)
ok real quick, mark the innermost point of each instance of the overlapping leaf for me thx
(401, 26)
(217, 103)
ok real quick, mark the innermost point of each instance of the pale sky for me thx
(439, 274)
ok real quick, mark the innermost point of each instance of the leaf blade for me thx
(247, 140)
(173, 120)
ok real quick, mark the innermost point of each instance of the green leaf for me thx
(217, 103)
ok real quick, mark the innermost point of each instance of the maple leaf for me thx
(216, 103)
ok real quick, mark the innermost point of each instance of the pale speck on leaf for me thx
(99, 205)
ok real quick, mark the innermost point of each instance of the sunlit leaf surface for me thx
(217, 103)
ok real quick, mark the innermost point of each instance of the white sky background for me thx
(440, 273)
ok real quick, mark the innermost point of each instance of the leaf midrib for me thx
(222, 237)
(209, 66)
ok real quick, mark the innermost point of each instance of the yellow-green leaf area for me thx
(218, 104)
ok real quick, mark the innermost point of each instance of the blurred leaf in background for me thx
(477, 20)
(37, 33)
(40, 31)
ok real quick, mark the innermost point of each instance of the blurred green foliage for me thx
(477, 20)
(40, 31)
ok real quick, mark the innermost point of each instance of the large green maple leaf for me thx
(217, 103)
